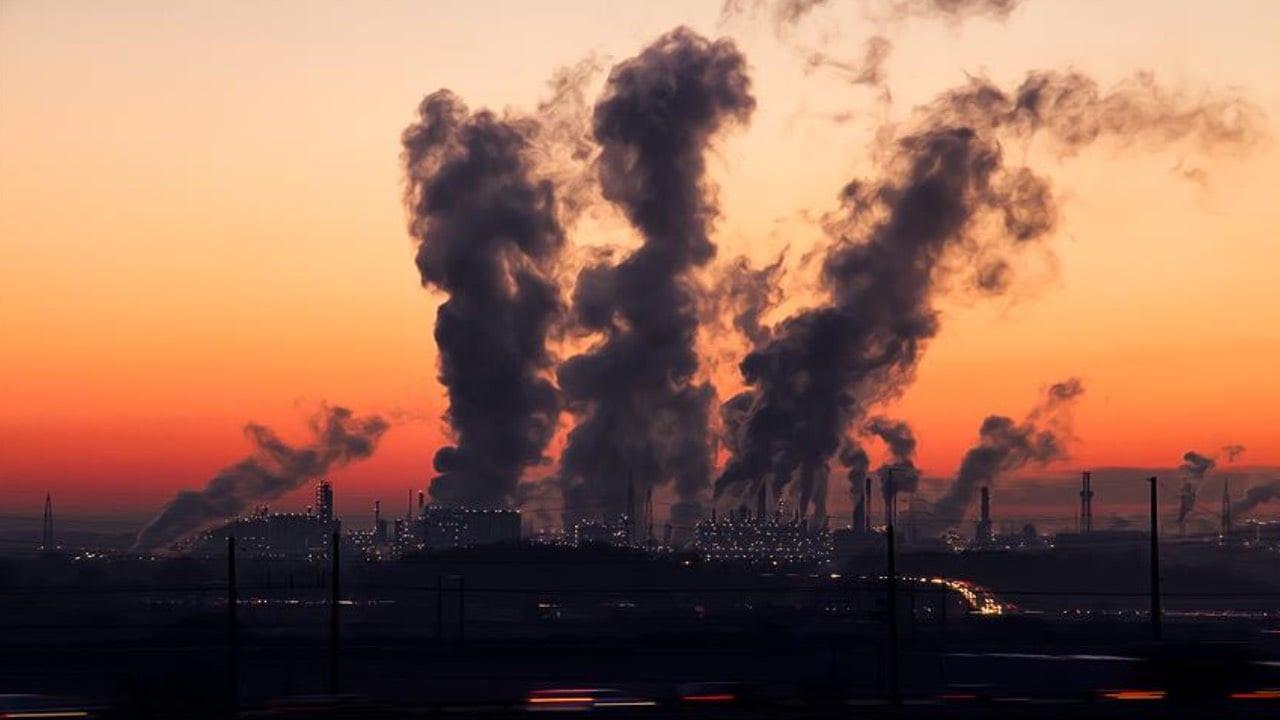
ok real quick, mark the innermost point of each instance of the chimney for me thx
(984, 533)
(46, 535)
(1226, 510)
(422, 498)
(866, 496)
(762, 500)
(1086, 502)
(859, 514)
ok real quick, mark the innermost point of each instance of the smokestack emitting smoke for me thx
(945, 203)
(1006, 446)
(640, 411)
(1255, 496)
(274, 469)
(487, 235)
(1232, 452)
(899, 474)
(1193, 468)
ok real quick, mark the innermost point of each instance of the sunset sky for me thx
(201, 224)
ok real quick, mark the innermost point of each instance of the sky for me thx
(201, 225)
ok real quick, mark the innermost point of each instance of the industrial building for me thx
(441, 527)
(742, 537)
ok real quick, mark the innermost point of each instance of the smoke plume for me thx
(1193, 468)
(786, 14)
(487, 235)
(899, 474)
(1255, 496)
(1006, 446)
(1232, 452)
(641, 415)
(274, 469)
(945, 205)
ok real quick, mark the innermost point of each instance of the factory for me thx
(741, 537)
(264, 534)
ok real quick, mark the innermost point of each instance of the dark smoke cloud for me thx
(642, 417)
(1006, 446)
(1232, 452)
(899, 474)
(945, 204)
(1073, 111)
(786, 14)
(869, 69)
(274, 469)
(1193, 468)
(747, 293)
(488, 235)
(1255, 496)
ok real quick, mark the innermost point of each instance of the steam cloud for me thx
(488, 235)
(899, 474)
(1005, 446)
(642, 417)
(274, 469)
(1255, 496)
(1193, 468)
(946, 204)
(787, 14)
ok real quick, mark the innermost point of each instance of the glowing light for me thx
(710, 697)
(1135, 695)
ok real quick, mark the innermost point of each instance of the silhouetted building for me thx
(445, 527)
(324, 501)
(739, 537)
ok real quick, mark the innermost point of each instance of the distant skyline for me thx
(201, 223)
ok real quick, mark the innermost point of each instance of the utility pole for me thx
(233, 659)
(894, 697)
(1155, 565)
(333, 617)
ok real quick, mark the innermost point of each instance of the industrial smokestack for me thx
(638, 403)
(1194, 468)
(984, 533)
(274, 469)
(488, 235)
(1255, 496)
(1005, 446)
(899, 474)
(1086, 502)
(944, 202)
(1226, 510)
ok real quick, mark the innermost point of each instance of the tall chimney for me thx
(1226, 510)
(984, 533)
(1086, 502)
(46, 536)
(866, 495)
(422, 498)
(859, 514)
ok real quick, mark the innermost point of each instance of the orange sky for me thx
(200, 225)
